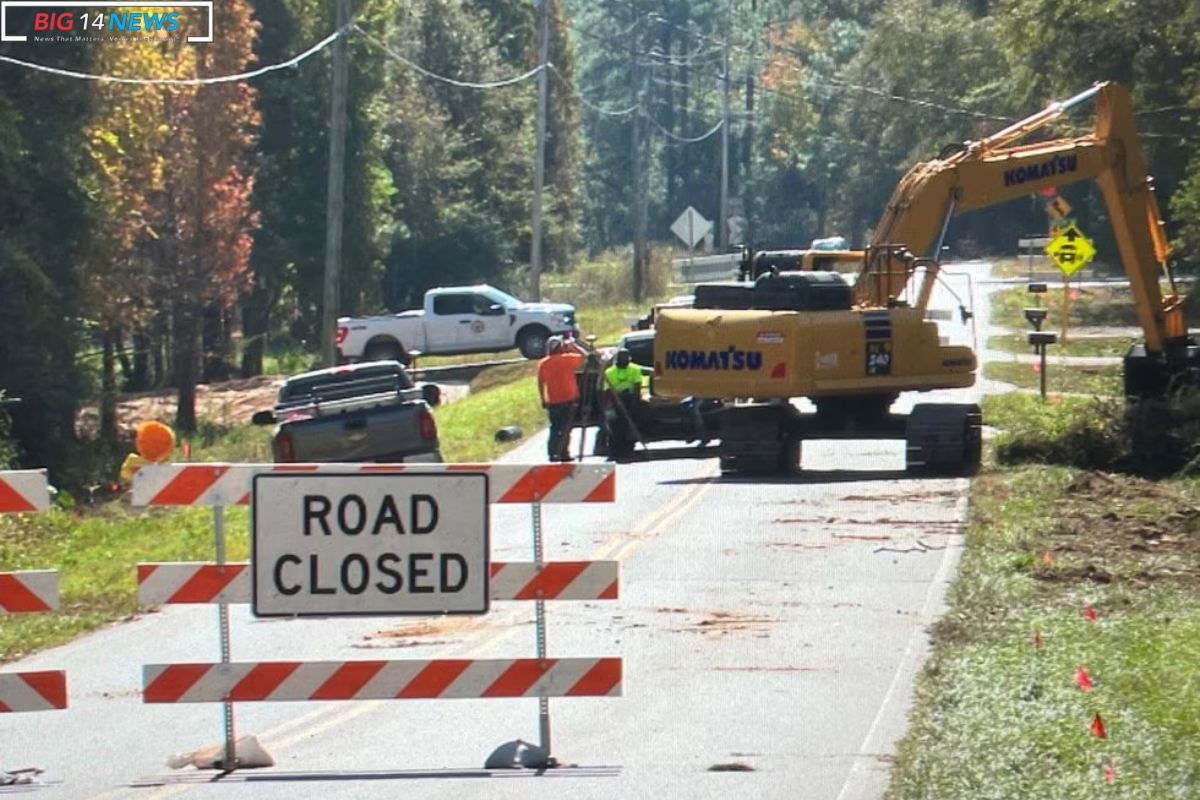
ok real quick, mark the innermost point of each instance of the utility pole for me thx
(539, 160)
(335, 201)
(748, 142)
(724, 229)
(638, 206)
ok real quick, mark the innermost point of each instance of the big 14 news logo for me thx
(149, 21)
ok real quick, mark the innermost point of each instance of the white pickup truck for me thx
(462, 319)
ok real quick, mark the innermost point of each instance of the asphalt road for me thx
(770, 630)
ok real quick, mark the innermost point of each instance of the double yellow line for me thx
(623, 546)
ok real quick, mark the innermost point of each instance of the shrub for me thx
(1151, 438)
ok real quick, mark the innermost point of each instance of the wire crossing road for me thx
(770, 632)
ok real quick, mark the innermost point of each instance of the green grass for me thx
(1104, 306)
(998, 718)
(1095, 381)
(1074, 346)
(95, 554)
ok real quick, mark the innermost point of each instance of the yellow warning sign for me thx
(1058, 208)
(1071, 250)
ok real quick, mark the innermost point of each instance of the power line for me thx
(608, 112)
(686, 139)
(241, 76)
(496, 84)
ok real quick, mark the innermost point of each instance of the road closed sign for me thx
(370, 544)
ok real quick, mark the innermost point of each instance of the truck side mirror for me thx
(495, 310)
(263, 418)
(432, 394)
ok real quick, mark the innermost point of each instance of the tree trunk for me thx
(216, 344)
(108, 389)
(185, 355)
(256, 317)
(139, 375)
(123, 357)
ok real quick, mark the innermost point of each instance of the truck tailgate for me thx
(372, 434)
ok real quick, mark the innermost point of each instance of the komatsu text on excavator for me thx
(853, 350)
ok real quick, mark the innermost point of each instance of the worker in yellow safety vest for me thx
(623, 379)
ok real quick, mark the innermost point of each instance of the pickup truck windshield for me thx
(307, 387)
(503, 298)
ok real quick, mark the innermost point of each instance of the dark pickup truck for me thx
(364, 412)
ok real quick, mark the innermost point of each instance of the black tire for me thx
(789, 457)
(385, 350)
(531, 341)
(972, 447)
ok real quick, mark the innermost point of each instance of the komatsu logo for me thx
(1059, 165)
(728, 359)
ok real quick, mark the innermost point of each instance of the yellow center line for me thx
(619, 545)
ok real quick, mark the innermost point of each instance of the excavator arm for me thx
(1000, 168)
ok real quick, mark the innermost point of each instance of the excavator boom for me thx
(1001, 167)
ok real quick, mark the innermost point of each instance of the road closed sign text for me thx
(370, 544)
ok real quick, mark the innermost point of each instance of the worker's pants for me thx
(560, 434)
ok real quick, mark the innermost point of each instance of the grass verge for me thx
(1074, 346)
(1103, 306)
(1095, 381)
(1001, 709)
(999, 717)
(95, 553)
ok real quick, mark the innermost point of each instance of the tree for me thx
(122, 178)
(43, 225)
(459, 158)
(206, 246)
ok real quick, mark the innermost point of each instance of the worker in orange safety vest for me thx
(559, 390)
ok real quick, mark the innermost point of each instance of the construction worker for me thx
(624, 377)
(624, 380)
(559, 390)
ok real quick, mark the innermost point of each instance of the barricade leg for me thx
(540, 613)
(229, 761)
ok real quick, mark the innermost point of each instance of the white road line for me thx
(904, 675)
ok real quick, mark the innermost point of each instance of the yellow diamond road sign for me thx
(1058, 208)
(1071, 250)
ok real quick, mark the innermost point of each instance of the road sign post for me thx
(691, 227)
(1071, 251)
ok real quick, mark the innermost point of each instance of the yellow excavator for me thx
(747, 349)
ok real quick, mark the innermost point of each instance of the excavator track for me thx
(944, 439)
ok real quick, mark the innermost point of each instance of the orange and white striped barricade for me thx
(25, 592)
(222, 583)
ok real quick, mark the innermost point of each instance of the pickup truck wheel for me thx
(386, 351)
(532, 341)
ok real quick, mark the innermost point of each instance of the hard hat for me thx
(554, 344)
